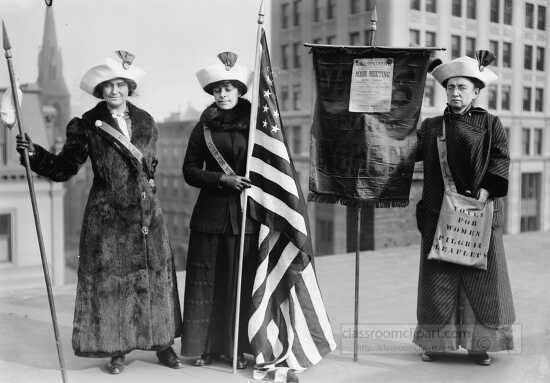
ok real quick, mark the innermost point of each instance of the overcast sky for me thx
(171, 39)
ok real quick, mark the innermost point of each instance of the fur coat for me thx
(126, 295)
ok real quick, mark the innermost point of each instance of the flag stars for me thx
(276, 114)
(274, 129)
(266, 108)
(267, 93)
(264, 124)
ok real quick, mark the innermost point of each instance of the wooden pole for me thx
(45, 268)
(244, 195)
(357, 254)
(372, 41)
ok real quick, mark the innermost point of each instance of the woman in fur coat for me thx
(126, 296)
(220, 138)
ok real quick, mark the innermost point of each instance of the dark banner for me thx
(363, 138)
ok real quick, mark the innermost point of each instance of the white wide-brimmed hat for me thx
(465, 67)
(111, 69)
(225, 70)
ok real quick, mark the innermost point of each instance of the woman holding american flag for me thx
(215, 162)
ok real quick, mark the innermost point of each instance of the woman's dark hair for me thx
(98, 90)
(236, 83)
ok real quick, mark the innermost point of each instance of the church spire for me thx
(54, 95)
(50, 64)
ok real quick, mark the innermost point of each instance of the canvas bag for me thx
(463, 229)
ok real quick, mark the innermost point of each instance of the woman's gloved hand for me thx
(235, 182)
(483, 195)
(24, 143)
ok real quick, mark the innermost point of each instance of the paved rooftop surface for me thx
(388, 289)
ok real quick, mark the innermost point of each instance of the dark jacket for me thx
(218, 209)
(126, 295)
(472, 139)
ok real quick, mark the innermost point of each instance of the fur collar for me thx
(237, 118)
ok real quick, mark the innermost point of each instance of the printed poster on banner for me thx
(371, 85)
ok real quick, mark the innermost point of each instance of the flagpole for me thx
(45, 268)
(244, 195)
(372, 39)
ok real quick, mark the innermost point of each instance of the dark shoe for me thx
(242, 363)
(481, 358)
(428, 356)
(204, 360)
(116, 365)
(168, 358)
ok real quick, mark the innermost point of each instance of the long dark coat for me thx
(469, 138)
(126, 294)
(210, 283)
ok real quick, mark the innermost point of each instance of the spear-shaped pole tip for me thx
(261, 13)
(374, 15)
(5, 39)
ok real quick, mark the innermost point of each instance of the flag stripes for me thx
(275, 205)
(274, 175)
(288, 328)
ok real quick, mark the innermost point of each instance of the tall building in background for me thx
(516, 31)
(176, 197)
(20, 264)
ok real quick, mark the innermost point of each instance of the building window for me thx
(541, 17)
(3, 145)
(493, 47)
(529, 15)
(296, 12)
(353, 6)
(429, 96)
(537, 141)
(297, 139)
(296, 55)
(284, 97)
(505, 91)
(528, 57)
(507, 55)
(507, 16)
(525, 141)
(415, 4)
(316, 11)
(330, 9)
(6, 239)
(284, 15)
(414, 37)
(540, 59)
(324, 236)
(456, 8)
(471, 9)
(431, 6)
(492, 93)
(330, 39)
(471, 47)
(354, 38)
(495, 11)
(430, 39)
(369, 5)
(296, 96)
(530, 201)
(455, 46)
(526, 98)
(539, 99)
(284, 56)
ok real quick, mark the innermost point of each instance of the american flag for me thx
(288, 329)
